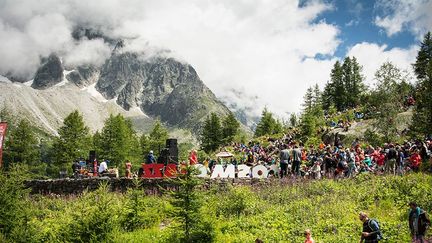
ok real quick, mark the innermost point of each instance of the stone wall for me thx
(150, 186)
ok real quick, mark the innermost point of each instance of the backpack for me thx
(379, 234)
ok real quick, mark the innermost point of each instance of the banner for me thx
(3, 126)
(219, 171)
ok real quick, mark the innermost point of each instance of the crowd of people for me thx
(295, 159)
(85, 168)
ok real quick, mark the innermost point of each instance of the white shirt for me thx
(103, 167)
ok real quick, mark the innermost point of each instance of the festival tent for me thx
(224, 155)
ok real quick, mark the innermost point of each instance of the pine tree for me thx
(308, 99)
(353, 82)
(347, 81)
(211, 135)
(73, 141)
(327, 96)
(230, 127)
(186, 202)
(422, 117)
(312, 117)
(118, 140)
(345, 88)
(293, 120)
(144, 142)
(424, 57)
(22, 145)
(157, 137)
(317, 95)
(338, 93)
(268, 125)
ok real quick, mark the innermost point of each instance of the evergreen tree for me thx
(96, 141)
(308, 99)
(157, 138)
(347, 80)
(327, 96)
(424, 57)
(268, 125)
(312, 116)
(118, 140)
(230, 127)
(211, 135)
(186, 202)
(22, 145)
(317, 96)
(144, 142)
(345, 88)
(73, 141)
(353, 81)
(338, 88)
(422, 117)
(293, 120)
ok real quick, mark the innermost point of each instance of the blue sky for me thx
(356, 21)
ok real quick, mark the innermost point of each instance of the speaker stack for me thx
(92, 156)
(171, 145)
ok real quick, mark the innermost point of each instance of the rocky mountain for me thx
(133, 84)
(162, 87)
(49, 73)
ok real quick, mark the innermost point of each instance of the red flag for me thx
(3, 127)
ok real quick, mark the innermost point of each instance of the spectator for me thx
(308, 236)
(371, 232)
(128, 166)
(103, 167)
(418, 223)
(150, 158)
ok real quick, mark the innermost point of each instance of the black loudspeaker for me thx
(171, 143)
(163, 157)
(92, 156)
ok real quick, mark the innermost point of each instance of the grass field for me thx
(278, 212)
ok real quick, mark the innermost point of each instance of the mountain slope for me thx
(161, 87)
(47, 108)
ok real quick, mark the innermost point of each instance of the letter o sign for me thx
(259, 171)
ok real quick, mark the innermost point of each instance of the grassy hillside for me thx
(279, 212)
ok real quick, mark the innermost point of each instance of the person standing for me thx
(418, 222)
(150, 158)
(128, 166)
(415, 160)
(371, 232)
(284, 161)
(390, 164)
(193, 157)
(296, 158)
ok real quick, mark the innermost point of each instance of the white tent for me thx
(224, 155)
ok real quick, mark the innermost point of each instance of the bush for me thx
(234, 202)
(14, 211)
(94, 218)
(139, 211)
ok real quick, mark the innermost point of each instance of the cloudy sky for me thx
(251, 53)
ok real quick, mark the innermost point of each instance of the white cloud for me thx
(264, 48)
(87, 52)
(371, 56)
(413, 15)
